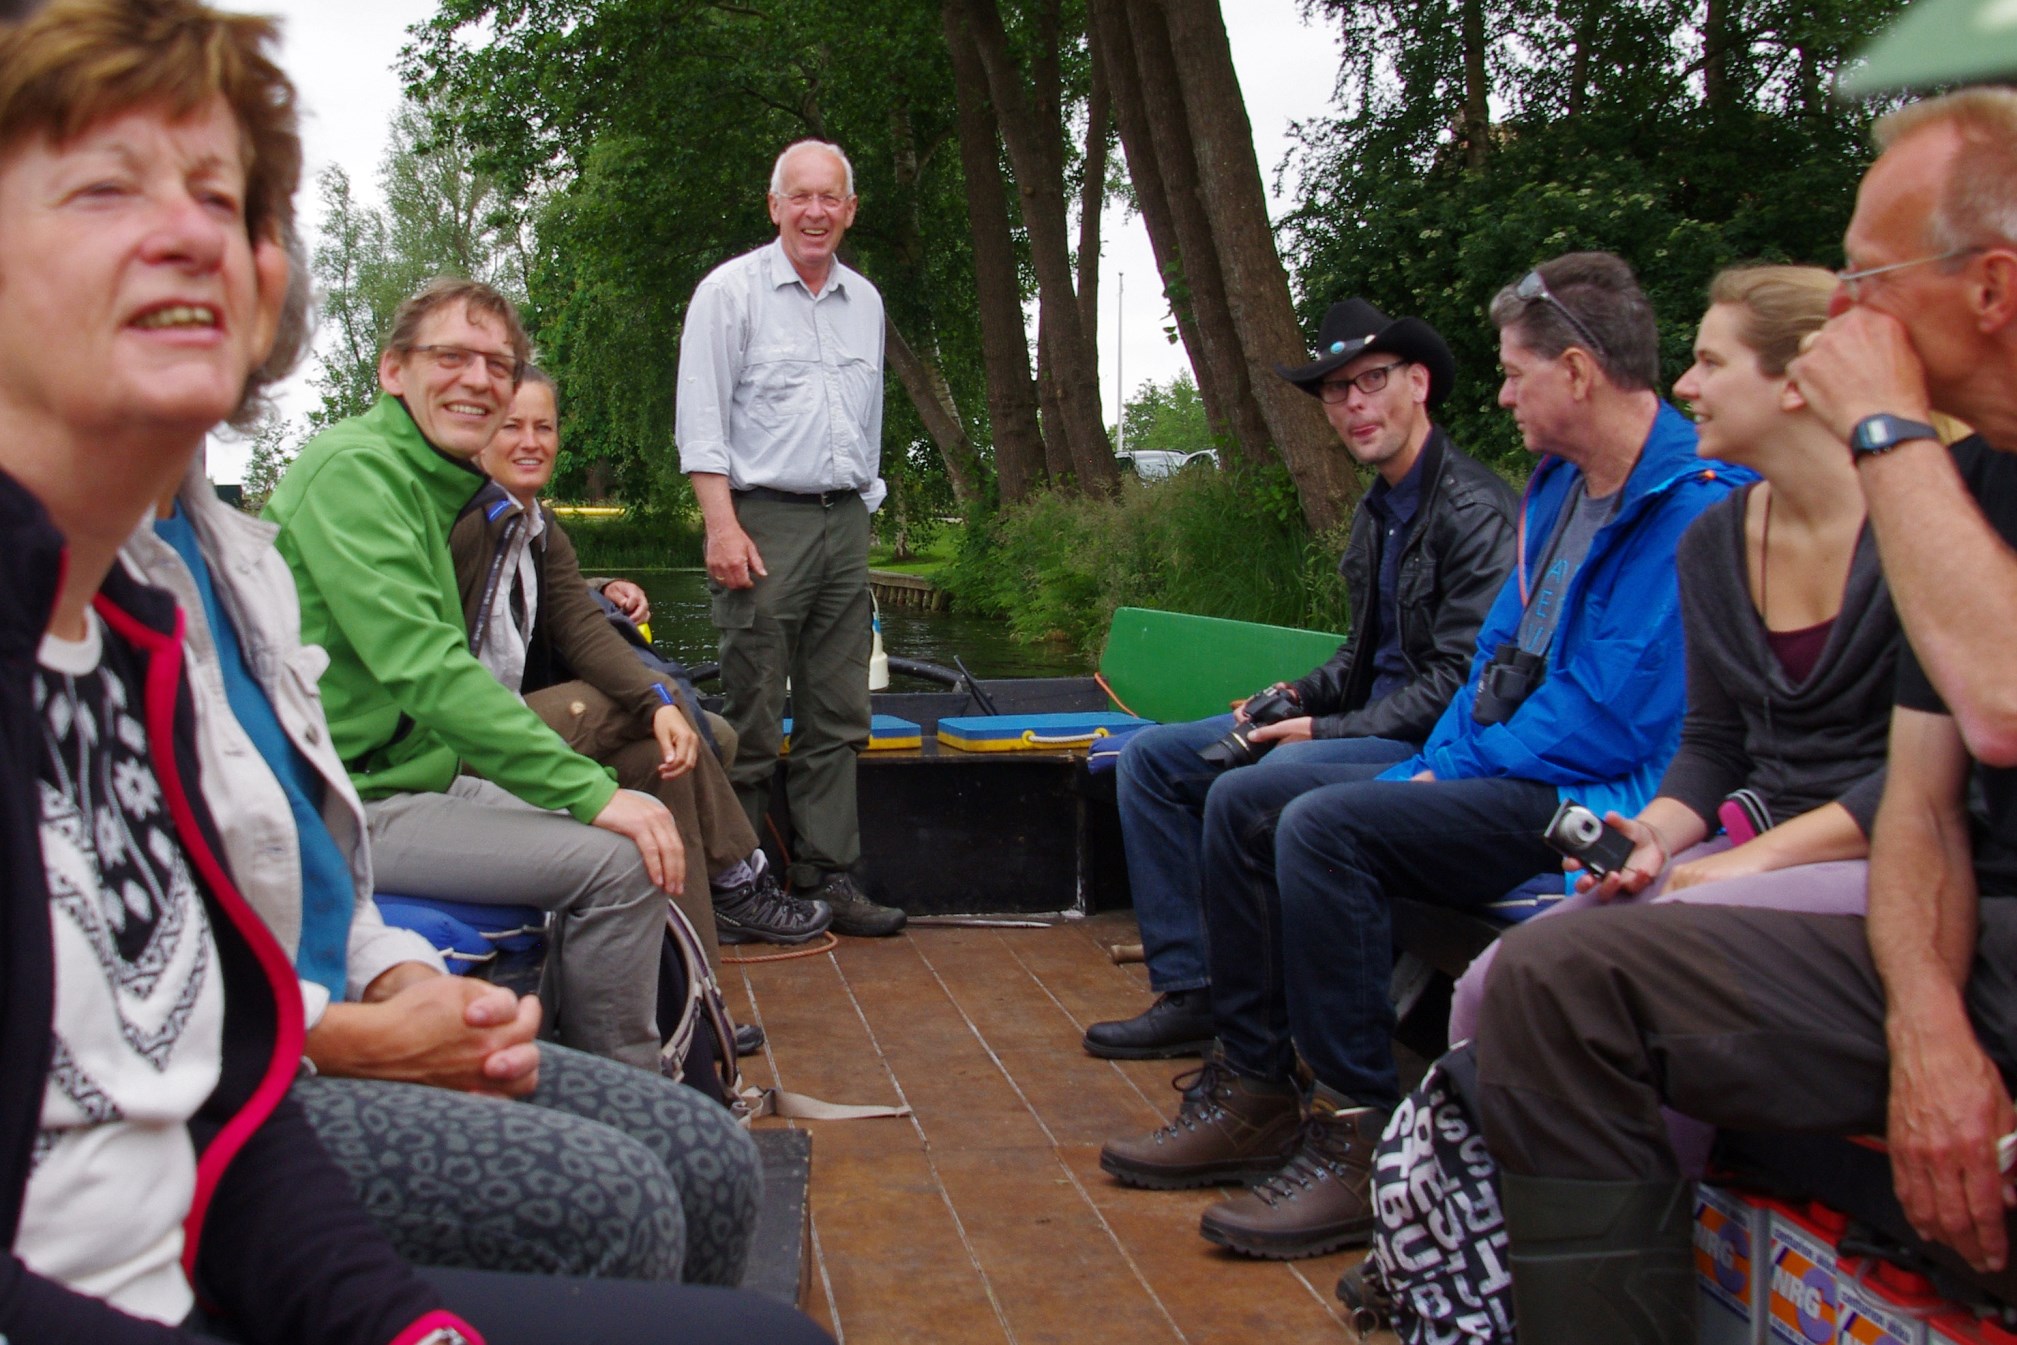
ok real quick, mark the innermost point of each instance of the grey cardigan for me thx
(1799, 746)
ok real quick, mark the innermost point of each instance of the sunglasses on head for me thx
(1532, 288)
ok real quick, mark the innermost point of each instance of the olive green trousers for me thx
(806, 620)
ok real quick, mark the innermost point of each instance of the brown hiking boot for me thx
(1229, 1128)
(1320, 1202)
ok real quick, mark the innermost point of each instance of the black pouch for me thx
(1506, 682)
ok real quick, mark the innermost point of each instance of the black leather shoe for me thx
(749, 1039)
(1178, 1023)
(760, 910)
(853, 913)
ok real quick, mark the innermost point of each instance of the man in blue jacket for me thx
(1576, 691)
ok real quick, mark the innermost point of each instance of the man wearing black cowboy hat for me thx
(1576, 689)
(1429, 547)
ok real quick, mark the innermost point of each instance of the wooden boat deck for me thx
(984, 1216)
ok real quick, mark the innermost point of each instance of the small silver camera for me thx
(1580, 834)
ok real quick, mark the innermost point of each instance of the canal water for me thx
(680, 630)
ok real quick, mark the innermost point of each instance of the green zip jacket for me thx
(364, 517)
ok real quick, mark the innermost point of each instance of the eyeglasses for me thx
(454, 358)
(803, 200)
(1369, 381)
(1532, 287)
(1852, 281)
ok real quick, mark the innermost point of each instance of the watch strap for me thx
(1883, 432)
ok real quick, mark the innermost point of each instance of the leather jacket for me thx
(1456, 558)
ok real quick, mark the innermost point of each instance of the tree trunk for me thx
(1716, 57)
(1477, 129)
(1092, 200)
(1579, 59)
(1113, 56)
(1011, 390)
(1157, 137)
(1229, 184)
(932, 397)
(899, 509)
(1036, 150)
(1057, 451)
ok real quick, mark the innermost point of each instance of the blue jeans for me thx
(1163, 787)
(1297, 883)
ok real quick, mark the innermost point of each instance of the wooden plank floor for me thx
(984, 1216)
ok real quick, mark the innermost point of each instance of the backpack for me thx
(1439, 1242)
(699, 1048)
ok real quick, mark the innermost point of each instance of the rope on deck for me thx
(828, 942)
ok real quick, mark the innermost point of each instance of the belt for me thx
(825, 499)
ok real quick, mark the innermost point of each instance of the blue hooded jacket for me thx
(1606, 719)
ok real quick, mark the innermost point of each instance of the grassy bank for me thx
(635, 541)
(1228, 544)
(927, 561)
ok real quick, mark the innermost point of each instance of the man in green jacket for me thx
(469, 797)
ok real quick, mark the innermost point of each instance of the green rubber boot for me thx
(1601, 1263)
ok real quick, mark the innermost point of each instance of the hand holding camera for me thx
(1621, 854)
(1270, 705)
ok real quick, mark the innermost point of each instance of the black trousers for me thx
(1750, 1019)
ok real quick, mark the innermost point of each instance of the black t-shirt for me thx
(1991, 477)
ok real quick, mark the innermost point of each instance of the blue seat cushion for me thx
(467, 934)
(1105, 753)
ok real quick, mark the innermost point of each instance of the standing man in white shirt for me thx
(779, 424)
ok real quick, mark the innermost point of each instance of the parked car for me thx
(1159, 464)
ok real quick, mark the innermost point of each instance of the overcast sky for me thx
(342, 57)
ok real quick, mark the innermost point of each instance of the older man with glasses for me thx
(1575, 692)
(1428, 548)
(778, 418)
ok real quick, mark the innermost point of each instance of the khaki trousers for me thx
(702, 802)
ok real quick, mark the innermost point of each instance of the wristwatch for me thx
(1883, 432)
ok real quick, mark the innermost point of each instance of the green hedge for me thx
(636, 541)
(1229, 544)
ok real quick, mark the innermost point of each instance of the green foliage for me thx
(1168, 416)
(1608, 132)
(350, 265)
(1227, 544)
(636, 541)
(271, 452)
(440, 218)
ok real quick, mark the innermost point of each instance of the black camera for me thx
(1581, 834)
(1237, 748)
(1506, 682)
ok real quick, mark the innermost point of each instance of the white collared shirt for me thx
(781, 387)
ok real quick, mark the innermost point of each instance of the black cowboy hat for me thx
(1354, 328)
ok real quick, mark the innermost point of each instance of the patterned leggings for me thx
(611, 1171)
